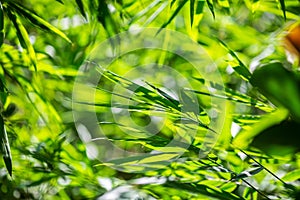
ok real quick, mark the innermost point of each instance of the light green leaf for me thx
(279, 85)
(37, 20)
(244, 138)
(5, 148)
(292, 176)
(23, 37)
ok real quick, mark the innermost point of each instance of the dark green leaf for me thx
(10, 110)
(246, 174)
(285, 136)
(1, 25)
(279, 85)
(81, 7)
(192, 10)
(200, 5)
(5, 149)
(165, 95)
(241, 69)
(174, 14)
(282, 4)
(60, 1)
(211, 7)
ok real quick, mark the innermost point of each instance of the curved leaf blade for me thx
(23, 37)
(37, 20)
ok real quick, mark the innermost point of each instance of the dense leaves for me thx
(50, 152)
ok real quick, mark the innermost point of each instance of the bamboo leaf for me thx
(248, 173)
(279, 85)
(37, 20)
(282, 4)
(23, 37)
(1, 25)
(241, 69)
(192, 10)
(60, 1)
(200, 5)
(244, 138)
(81, 7)
(292, 176)
(207, 190)
(211, 7)
(174, 14)
(5, 148)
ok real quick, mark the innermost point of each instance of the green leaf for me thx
(192, 10)
(81, 7)
(244, 138)
(247, 173)
(3, 94)
(5, 148)
(211, 7)
(37, 20)
(175, 102)
(144, 11)
(10, 110)
(105, 18)
(282, 4)
(1, 25)
(23, 37)
(279, 139)
(60, 1)
(174, 14)
(292, 176)
(280, 86)
(207, 190)
(241, 69)
(200, 6)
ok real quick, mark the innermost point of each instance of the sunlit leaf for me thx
(174, 14)
(248, 173)
(207, 190)
(37, 20)
(282, 4)
(23, 37)
(192, 10)
(240, 68)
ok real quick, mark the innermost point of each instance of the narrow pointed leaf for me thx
(37, 20)
(192, 10)
(180, 6)
(81, 7)
(23, 37)
(5, 148)
(1, 25)
(165, 95)
(211, 7)
(279, 85)
(241, 68)
(282, 4)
